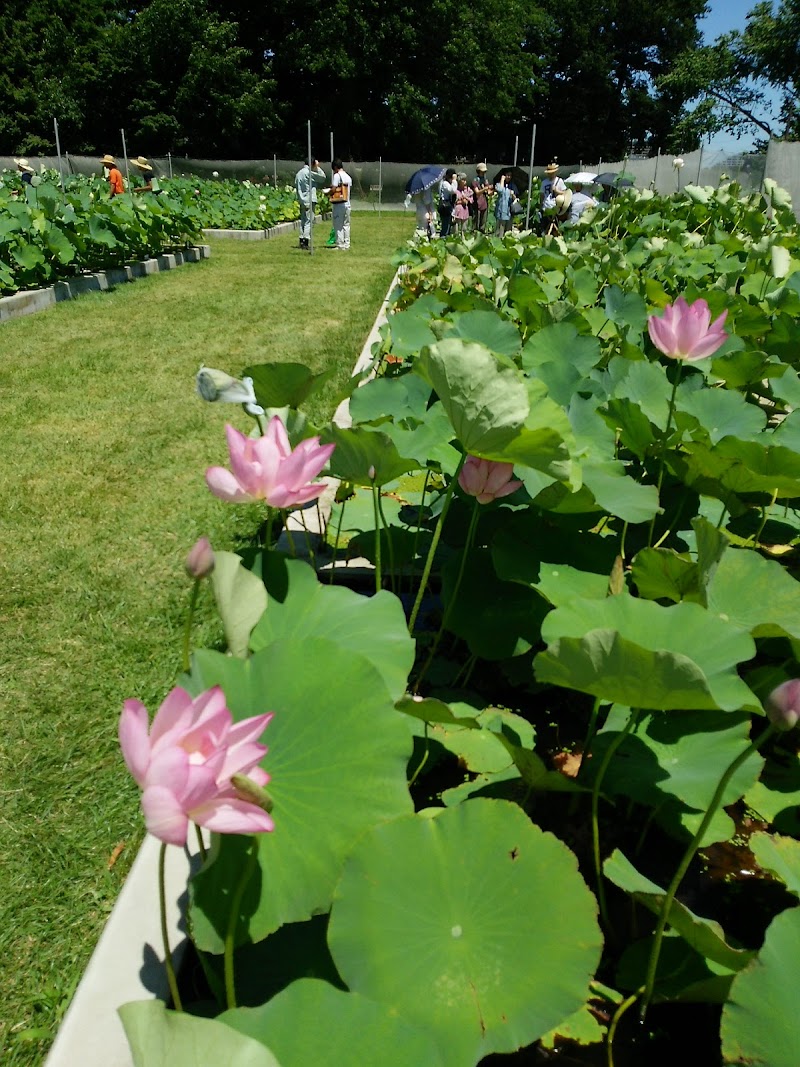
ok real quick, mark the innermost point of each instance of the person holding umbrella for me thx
(419, 189)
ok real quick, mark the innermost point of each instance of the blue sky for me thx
(725, 15)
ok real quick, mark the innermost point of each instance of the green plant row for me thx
(546, 778)
(48, 234)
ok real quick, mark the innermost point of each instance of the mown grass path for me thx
(104, 448)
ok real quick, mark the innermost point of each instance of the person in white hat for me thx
(580, 201)
(480, 193)
(25, 170)
(144, 167)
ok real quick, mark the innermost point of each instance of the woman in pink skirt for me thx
(461, 211)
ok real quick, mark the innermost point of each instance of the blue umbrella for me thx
(424, 178)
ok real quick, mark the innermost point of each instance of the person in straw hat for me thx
(552, 185)
(115, 183)
(26, 171)
(145, 169)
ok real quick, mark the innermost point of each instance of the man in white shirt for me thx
(341, 188)
(447, 201)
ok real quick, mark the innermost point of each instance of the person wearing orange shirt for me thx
(115, 183)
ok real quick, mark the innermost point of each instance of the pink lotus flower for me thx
(200, 560)
(185, 763)
(487, 480)
(685, 331)
(266, 468)
(783, 705)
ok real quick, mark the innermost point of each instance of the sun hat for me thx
(141, 163)
(109, 160)
(23, 164)
(481, 166)
(551, 168)
(563, 201)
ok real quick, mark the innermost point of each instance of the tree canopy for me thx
(411, 80)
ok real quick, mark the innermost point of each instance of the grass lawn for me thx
(104, 447)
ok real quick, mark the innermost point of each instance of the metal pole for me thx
(169, 160)
(58, 150)
(380, 184)
(530, 180)
(516, 149)
(699, 164)
(275, 168)
(125, 155)
(655, 173)
(332, 155)
(310, 197)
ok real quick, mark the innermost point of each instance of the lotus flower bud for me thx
(678, 163)
(200, 561)
(214, 173)
(783, 705)
(371, 473)
(253, 793)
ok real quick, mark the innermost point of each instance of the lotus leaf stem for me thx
(389, 540)
(437, 533)
(377, 521)
(683, 866)
(764, 516)
(162, 900)
(664, 440)
(473, 522)
(187, 629)
(233, 921)
(633, 718)
(612, 1029)
(419, 524)
(201, 846)
(336, 542)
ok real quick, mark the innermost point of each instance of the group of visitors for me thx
(306, 183)
(464, 205)
(116, 183)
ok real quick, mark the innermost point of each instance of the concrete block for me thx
(204, 250)
(118, 275)
(166, 262)
(27, 303)
(179, 260)
(191, 255)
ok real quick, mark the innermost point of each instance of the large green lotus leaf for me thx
(488, 329)
(704, 935)
(409, 333)
(781, 856)
(497, 619)
(311, 1023)
(619, 494)
(759, 1022)
(680, 758)
(644, 384)
(428, 709)
(241, 599)
(337, 757)
(364, 456)
(635, 429)
(663, 574)
(395, 398)
(747, 466)
(471, 923)
(561, 358)
(723, 413)
(637, 653)
(776, 798)
(426, 441)
(625, 309)
(161, 1038)
(560, 563)
(682, 973)
(279, 385)
(482, 751)
(755, 594)
(373, 626)
(486, 402)
(546, 442)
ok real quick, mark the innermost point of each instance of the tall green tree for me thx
(746, 82)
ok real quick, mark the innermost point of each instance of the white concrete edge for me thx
(127, 963)
(263, 234)
(29, 301)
